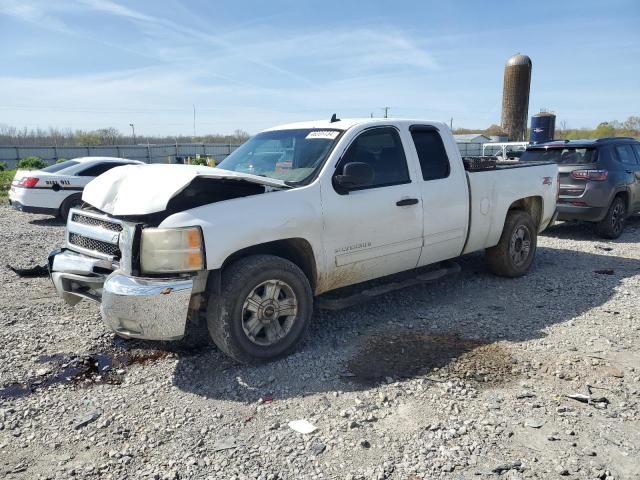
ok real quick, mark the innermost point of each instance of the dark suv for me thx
(599, 180)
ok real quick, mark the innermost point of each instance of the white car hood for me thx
(144, 189)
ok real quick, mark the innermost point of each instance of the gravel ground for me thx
(467, 378)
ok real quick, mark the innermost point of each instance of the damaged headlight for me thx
(170, 250)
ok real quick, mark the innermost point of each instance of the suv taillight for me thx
(596, 175)
(29, 182)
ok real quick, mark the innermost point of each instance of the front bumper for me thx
(147, 308)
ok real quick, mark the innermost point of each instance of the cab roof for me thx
(103, 159)
(347, 123)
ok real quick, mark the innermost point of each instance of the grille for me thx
(95, 245)
(96, 222)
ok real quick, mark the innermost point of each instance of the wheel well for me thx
(531, 205)
(625, 196)
(296, 250)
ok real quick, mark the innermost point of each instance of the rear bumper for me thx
(28, 209)
(568, 212)
(146, 308)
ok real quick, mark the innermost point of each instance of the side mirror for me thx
(354, 175)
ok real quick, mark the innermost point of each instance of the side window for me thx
(636, 147)
(98, 169)
(624, 153)
(381, 148)
(431, 153)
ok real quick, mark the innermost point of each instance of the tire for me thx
(248, 320)
(72, 201)
(514, 254)
(612, 225)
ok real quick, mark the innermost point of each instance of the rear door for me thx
(375, 230)
(629, 156)
(444, 193)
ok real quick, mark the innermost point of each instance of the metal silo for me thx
(543, 127)
(515, 96)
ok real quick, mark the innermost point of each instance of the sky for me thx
(88, 64)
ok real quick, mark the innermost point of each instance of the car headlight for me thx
(170, 250)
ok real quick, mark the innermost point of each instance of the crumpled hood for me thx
(145, 189)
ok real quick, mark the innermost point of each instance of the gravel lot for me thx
(467, 378)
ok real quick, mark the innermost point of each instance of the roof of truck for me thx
(346, 123)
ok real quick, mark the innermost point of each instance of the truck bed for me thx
(493, 189)
(485, 163)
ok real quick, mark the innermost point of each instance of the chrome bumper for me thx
(148, 308)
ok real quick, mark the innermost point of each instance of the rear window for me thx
(56, 167)
(560, 155)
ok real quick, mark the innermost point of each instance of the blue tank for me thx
(543, 127)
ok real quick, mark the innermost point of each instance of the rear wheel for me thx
(514, 254)
(612, 225)
(72, 201)
(263, 309)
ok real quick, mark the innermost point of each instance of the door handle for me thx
(407, 201)
(628, 171)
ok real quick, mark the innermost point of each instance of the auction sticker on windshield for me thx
(323, 134)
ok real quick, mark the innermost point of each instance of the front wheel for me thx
(263, 309)
(612, 224)
(514, 254)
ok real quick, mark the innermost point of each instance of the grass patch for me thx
(5, 183)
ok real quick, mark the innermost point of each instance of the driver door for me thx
(375, 229)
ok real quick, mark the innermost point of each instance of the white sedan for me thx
(56, 189)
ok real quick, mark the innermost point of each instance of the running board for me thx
(446, 269)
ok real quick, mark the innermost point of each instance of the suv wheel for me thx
(612, 225)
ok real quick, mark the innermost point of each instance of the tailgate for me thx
(569, 186)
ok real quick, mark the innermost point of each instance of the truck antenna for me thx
(334, 118)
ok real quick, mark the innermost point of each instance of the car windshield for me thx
(560, 155)
(56, 167)
(289, 155)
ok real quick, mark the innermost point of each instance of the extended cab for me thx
(296, 211)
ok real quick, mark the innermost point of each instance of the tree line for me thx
(10, 135)
(628, 128)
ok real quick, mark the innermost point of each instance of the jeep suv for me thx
(599, 180)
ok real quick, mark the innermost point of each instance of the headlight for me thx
(165, 250)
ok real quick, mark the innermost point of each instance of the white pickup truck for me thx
(297, 211)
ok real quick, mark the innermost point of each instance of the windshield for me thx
(289, 155)
(56, 167)
(566, 156)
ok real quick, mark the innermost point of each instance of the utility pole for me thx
(451, 124)
(194, 121)
(386, 111)
(133, 132)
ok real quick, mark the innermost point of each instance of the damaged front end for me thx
(146, 278)
(100, 263)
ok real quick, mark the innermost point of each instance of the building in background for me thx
(471, 143)
(515, 97)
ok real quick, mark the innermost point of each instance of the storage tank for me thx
(515, 97)
(543, 127)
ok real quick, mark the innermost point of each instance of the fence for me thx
(146, 153)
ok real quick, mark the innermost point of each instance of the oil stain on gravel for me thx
(81, 370)
(412, 354)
